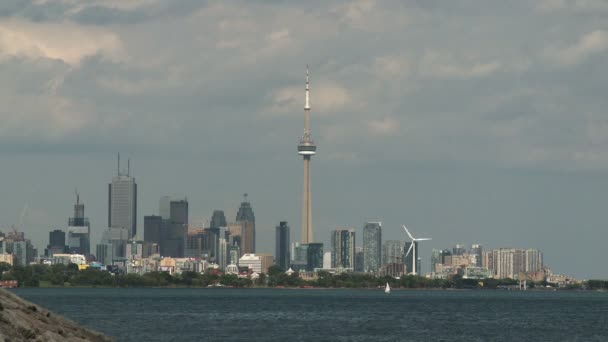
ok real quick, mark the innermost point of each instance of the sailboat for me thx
(387, 289)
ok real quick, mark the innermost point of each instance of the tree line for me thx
(69, 275)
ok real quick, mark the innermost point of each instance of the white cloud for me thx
(436, 65)
(389, 67)
(576, 5)
(384, 126)
(589, 44)
(66, 41)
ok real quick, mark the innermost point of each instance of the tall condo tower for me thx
(307, 149)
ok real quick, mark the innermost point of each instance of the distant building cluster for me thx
(476, 263)
(169, 242)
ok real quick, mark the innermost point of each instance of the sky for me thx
(469, 121)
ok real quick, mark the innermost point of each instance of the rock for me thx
(21, 320)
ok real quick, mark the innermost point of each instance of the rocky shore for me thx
(21, 320)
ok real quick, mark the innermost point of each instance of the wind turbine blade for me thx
(408, 233)
(423, 239)
(409, 250)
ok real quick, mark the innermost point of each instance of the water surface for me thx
(331, 315)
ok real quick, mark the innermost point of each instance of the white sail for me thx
(387, 289)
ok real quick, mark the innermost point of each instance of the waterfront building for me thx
(534, 260)
(314, 256)
(79, 230)
(327, 260)
(343, 248)
(246, 219)
(359, 259)
(307, 149)
(508, 262)
(299, 254)
(258, 263)
(477, 253)
(436, 259)
(372, 246)
(282, 254)
(392, 252)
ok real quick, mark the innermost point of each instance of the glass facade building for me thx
(372, 247)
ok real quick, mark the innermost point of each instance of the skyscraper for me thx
(372, 246)
(282, 245)
(246, 219)
(307, 149)
(392, 252)
(314, 256)
(477, 251)
(343, 248)
(56, 243)
(79, 230)
(153, 228)
(175, 230)
(122, 201)
(534, 260)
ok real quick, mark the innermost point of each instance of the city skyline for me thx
(493, 132)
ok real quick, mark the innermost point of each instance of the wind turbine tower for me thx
(413, 248)
(307, 149)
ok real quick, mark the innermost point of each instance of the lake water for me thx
(331, 315)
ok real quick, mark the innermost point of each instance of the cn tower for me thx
(307, 149)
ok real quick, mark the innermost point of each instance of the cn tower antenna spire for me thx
(307, 104)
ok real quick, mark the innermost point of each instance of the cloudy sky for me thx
(469, 121)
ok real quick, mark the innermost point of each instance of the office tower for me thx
(174, 235)
(315, 256)
(359, 258)
(392, 252)
(112, 248)
(122, 201)
(534, 260)
(218, 219)
(476, 252)
(153, 228)
(300, 256)
(436, 259)
(246, 219)
(79, 230)
(343, 248)
(282, 254)
(458, 250)
(307, 149)
(56, 243)
(372, 246)
(164, 207)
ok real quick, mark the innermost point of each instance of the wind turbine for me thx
(413, 249)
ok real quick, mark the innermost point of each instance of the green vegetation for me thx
(69, 275)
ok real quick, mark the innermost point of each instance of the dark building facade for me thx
(246, 219)
(315, 256)
(79, 231)
(282, 247)
(153, 228)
